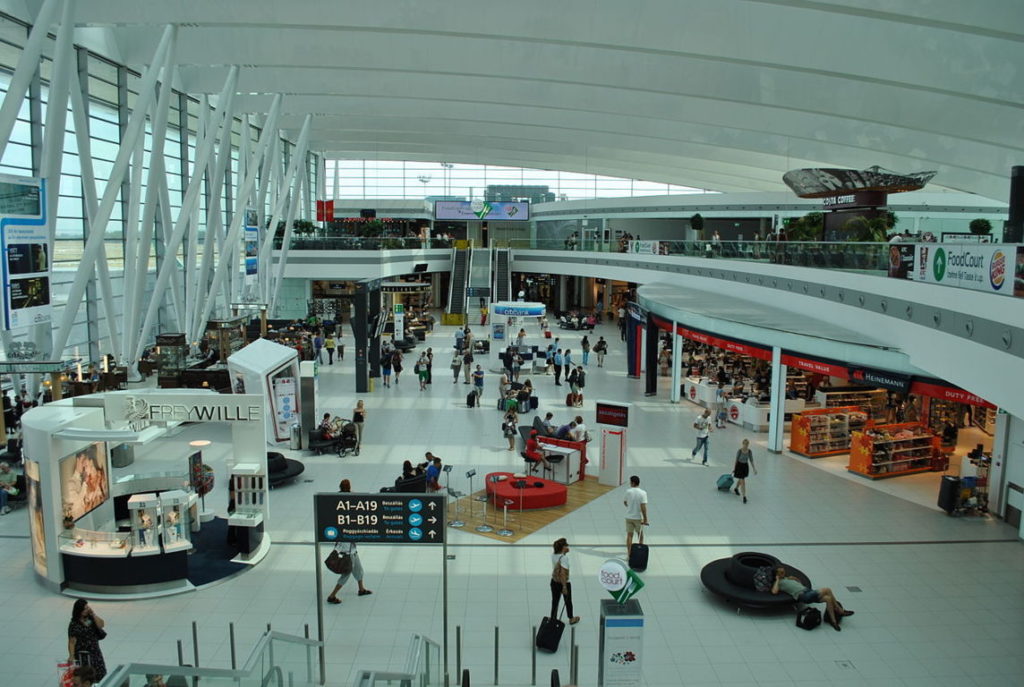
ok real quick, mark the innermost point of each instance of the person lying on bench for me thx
(795, 588)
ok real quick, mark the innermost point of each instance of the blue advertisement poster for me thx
(26, 251)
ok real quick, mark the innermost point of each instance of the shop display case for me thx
(944, 418)
(871, 401)
(893, 450)
(144, 513)
(248, 506)
(171, 359)
(825, 431)
(984, 418)
(226, 336)
(94, 544)
(175, 519)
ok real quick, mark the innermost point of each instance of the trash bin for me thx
(296, 438)
(949, 489)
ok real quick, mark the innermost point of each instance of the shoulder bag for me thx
(339, 563)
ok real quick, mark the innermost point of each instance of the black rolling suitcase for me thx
(549, 634)
(471, 399)
(638, 557)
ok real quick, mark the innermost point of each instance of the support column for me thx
(651, 356)
(677, 353)
(56, 391)
(777, 413)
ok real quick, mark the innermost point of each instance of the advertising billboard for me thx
(26, 244)
(481, 210)
(981, 267)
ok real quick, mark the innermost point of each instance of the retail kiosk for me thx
(91, 533)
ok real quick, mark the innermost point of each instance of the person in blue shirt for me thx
(559, 361)
(478, 384)
(433, 471)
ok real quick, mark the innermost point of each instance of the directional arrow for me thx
(432, 520)
(432, 505)
(430, 533)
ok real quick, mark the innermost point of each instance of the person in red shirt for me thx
(533, 453)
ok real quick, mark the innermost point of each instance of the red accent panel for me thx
(817, 366)
(949, 393)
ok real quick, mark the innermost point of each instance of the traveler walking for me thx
(703, 427)
(636, 513)
(385, 367)
(329, 345)
(396, 363)
(456, 366)
(585, 345)
(509, 429)
(467, 364)
(348, 549)
(561, 588)
(600, 350)
(558, 361)
(744, 463)
(478, 384)
(358, 418)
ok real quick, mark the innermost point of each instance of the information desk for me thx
(567, 469)
(754, 415)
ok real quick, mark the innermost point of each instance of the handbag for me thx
(340, 563)
(101, 633)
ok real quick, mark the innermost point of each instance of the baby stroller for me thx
(348, 441)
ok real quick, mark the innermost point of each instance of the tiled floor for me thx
(942, 600)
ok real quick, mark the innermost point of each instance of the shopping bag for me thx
(65, 674)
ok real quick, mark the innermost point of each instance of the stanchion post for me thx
(181, 654)
(495, 654)
(231, 638)
(574, 672)
(533, 656)
(458, 649)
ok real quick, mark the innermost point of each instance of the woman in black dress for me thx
(744, 463)
(84, 634)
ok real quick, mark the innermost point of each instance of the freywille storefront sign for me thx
(138, 410)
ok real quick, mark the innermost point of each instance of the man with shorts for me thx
(787, 584)
(636, 512)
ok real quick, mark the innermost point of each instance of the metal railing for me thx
(277, 659)
(857, 255)
(361, 243)
(422, 667)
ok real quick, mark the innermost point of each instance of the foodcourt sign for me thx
(980, 267)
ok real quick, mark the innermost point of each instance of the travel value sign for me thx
(380, 518)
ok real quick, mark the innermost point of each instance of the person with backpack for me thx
(600, 350)
(385, 367)
(396, 363)
(577, 380)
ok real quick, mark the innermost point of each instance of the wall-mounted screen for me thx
(481, 210)
(84, 480)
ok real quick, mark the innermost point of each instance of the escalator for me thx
(502, 275)
(456, 309)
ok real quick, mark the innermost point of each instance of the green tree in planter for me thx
(697, 224)
(810, 227)
(980, 226)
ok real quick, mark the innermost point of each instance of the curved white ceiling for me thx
(717, 94)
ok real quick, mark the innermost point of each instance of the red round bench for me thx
(548, 495)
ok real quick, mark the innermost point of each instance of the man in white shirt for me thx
(636, 512)
(579, 432)
(703, 427)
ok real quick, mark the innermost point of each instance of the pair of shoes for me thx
(573, 620)
(744, 499)
(845, 613)
(705, 463)
(465, 382)
(736, 491)
(6, 510)
(333, 600)
(364, 592)
(834, 623)
(557, 384)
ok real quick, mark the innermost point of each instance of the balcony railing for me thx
(361, 243)
(859, 256)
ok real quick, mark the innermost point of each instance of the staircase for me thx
(502, 275)
(457, 288)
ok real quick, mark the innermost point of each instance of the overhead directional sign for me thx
(380, 518)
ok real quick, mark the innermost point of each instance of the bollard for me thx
(574, 671)
(458, 649)
(231, 636)
(181, 654)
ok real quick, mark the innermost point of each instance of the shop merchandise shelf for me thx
(824, 431)
(870, 401)
(872, 451)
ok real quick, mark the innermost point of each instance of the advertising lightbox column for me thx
(26, 247)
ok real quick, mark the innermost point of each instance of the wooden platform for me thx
(580, 494)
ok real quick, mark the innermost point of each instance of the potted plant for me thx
(980, 226)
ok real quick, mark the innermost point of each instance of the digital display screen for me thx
(19, 199)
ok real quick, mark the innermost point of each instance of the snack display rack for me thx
(893, 450)
(825, 431)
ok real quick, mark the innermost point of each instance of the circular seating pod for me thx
(527, 492)
(723, 576)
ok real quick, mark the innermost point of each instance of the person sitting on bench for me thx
(795, 588)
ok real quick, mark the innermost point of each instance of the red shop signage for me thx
(823, 367)
(949, 393)
(699, 336)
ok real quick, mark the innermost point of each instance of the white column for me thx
(132, 137)
(777, 417)
(677, 377)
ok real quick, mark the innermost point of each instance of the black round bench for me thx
(733, 579)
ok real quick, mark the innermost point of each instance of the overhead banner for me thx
(734, 345)
(251, 237)
(980, 267)
(26, 247)
(645, 247)
(816, 365)
(480, 210)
